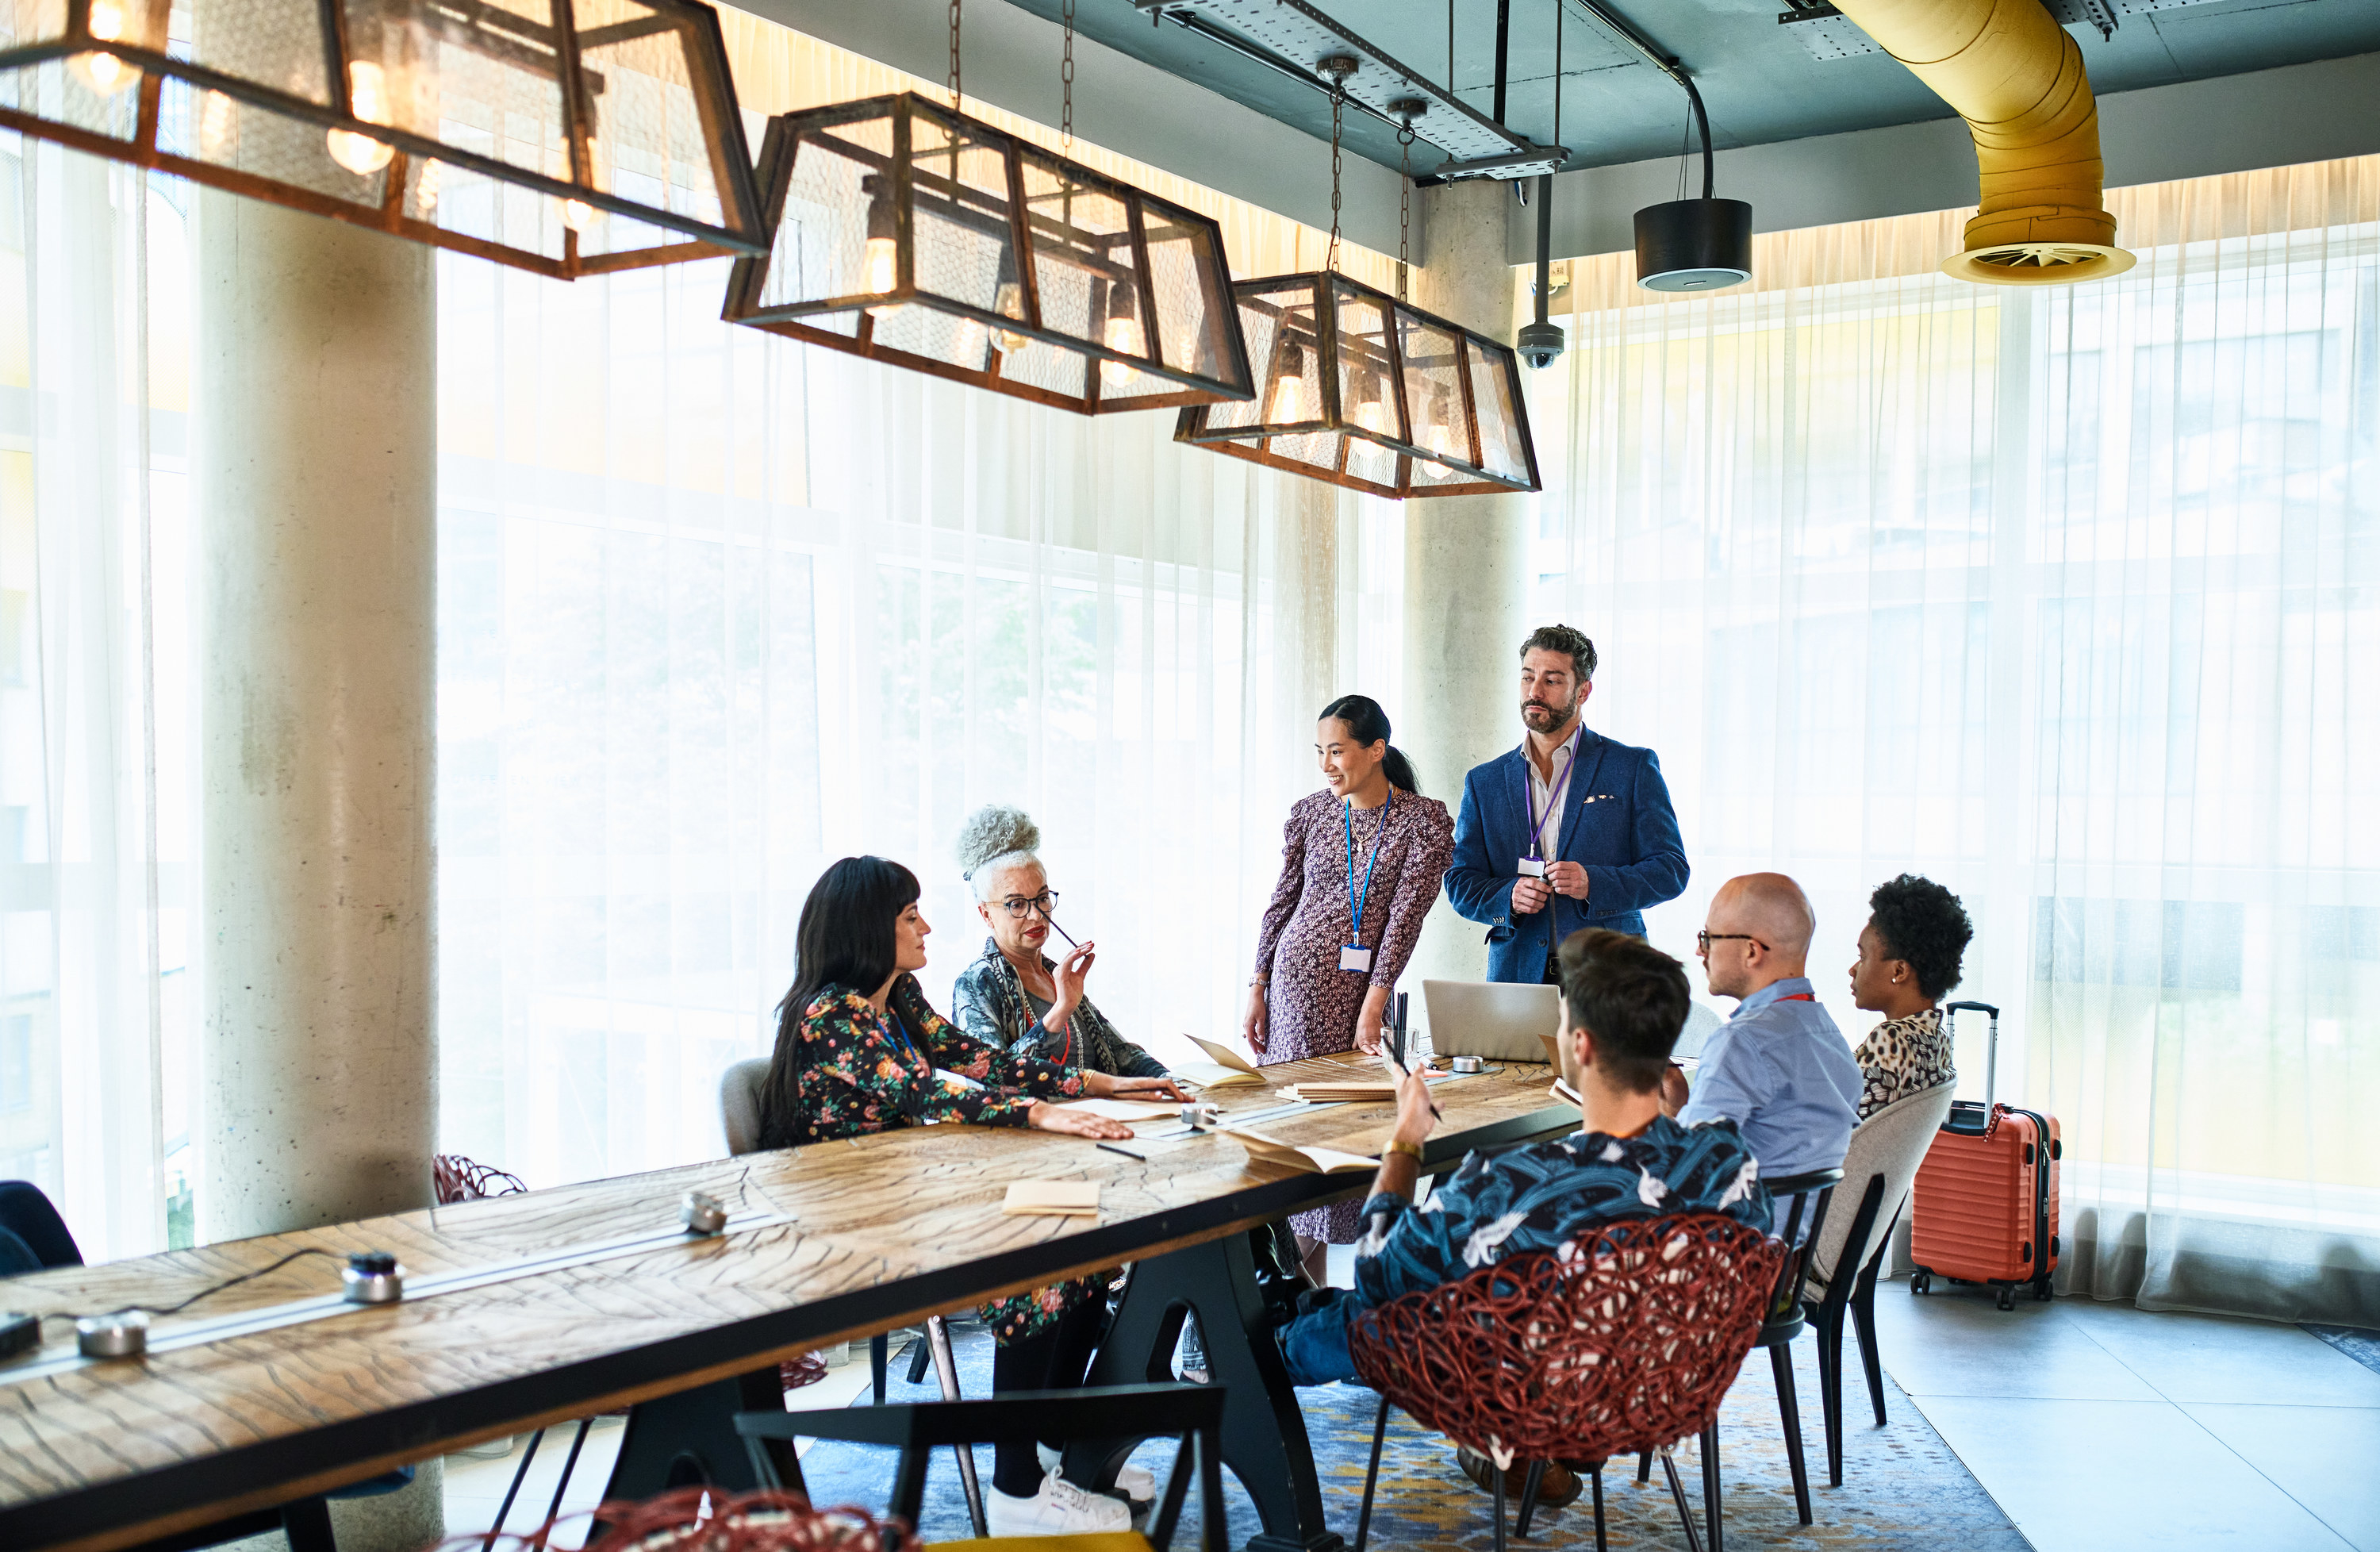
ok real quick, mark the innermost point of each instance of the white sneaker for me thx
(1136, 1483)
(1060, 1508)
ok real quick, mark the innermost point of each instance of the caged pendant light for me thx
(564, 136)
(909, 233)
(1366, 391)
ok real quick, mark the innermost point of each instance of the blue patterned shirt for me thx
(1545, 1195)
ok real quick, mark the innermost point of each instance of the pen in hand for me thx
(1399, 1068)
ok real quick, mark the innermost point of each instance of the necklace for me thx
(1024, 1001)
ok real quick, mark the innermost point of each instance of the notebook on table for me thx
(1304, 1161)
(1223, 1068)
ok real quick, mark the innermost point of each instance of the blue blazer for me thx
(1619, 826)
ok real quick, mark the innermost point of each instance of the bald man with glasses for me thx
(1778, 1068)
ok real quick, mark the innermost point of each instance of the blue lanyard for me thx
(901, 1030)
(1356, 902)
(1553, 794)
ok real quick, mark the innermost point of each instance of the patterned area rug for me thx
(2356, 1342)
(1902, 1487)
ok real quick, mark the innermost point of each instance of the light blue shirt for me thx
(1782, 1072)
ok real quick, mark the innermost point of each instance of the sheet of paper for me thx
(1124, 1109)
(1206, 1074)
(1052, 1198)
(1225, 1056)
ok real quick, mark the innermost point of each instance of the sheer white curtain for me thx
(718, 608)
(2064, 598)
(94, 745)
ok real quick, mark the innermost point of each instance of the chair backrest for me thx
(1889, 1145)
(1623, 1340)
(1802, 1202)
(739, 1104)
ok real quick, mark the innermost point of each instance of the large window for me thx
(2065, 598)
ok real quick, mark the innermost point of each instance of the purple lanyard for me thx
(1553, 794)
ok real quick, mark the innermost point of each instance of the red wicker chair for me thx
(1626, 1339)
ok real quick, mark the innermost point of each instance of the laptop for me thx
(1498, 1021)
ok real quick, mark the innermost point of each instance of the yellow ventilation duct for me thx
(2017, 78)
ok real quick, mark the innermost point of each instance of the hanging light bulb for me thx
(216, 125)
(368, 97)
(103, 73)
(880, 265)
(1122, 333)
(1443, 435)
(577, 214)
(1286, 404)
(425, 192)
(1371, 411)
(1010, 303)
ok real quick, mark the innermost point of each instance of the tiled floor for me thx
(2102, 1426)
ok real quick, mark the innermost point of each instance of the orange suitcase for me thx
(1984, 1208)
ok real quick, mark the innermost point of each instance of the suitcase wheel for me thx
(1921, 1281)
(2008, 1297)
(2041, 1289)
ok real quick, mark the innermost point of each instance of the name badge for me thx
(1354, 956)
(1533, 867)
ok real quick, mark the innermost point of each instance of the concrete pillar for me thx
(316, 484)
(1466, 572)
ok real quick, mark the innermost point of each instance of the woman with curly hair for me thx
(1908, 962)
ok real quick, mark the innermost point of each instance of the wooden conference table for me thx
(529, 1310)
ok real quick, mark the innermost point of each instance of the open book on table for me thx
(1223, 1068)
(1305, 1160)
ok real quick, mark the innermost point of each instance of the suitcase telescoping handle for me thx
(1991, 1052)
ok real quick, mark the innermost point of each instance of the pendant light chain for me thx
(1066, 81)
(954, 55)
(1404, 202)
(1337, 100)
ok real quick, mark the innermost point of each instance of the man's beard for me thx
(1554, 716)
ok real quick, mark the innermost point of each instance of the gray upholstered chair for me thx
(739, 1104)
(1878, 1170)
(739, 1117)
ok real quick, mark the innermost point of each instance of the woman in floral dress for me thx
(859, 1050)
(1368, 843)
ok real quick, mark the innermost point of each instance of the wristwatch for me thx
(1398, 1145)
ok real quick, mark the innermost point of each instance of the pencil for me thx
(1126, 1152)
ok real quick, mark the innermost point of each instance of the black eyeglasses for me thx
(1703, 940)
(1019, 906)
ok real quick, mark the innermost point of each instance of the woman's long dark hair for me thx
(845, 938)
(1368, 725)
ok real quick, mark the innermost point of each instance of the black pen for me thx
(1126, 1152)
(1060, 930)
(1399, 1068)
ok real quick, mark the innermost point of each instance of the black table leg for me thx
(1264, 1432)
(690, 1438)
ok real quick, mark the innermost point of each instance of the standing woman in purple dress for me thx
(1361, 862)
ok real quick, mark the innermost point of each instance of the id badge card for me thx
(1533, 867)
(1354, 956)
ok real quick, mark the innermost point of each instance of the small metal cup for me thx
(1469, 1064)
(702, 1213)
(124, 1334)
(371, 1277)
(1201, 1117)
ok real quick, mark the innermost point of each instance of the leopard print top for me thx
(1901, 1056)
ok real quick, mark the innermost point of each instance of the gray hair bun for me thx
(995, 831)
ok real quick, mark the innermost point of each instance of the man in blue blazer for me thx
(1570, 830)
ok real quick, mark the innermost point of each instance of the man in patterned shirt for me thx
(1624, 1003)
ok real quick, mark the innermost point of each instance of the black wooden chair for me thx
(1802, 1204)
(1193, 1413)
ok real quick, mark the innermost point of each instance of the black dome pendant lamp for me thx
(1695, 245)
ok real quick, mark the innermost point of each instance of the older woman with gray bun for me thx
(1015, 996)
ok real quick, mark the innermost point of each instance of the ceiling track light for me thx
(623, 127)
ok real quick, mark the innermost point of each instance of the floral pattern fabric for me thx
(1901, 1056)
(989, 1004)
(1310, 1004)
(859, 1070)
